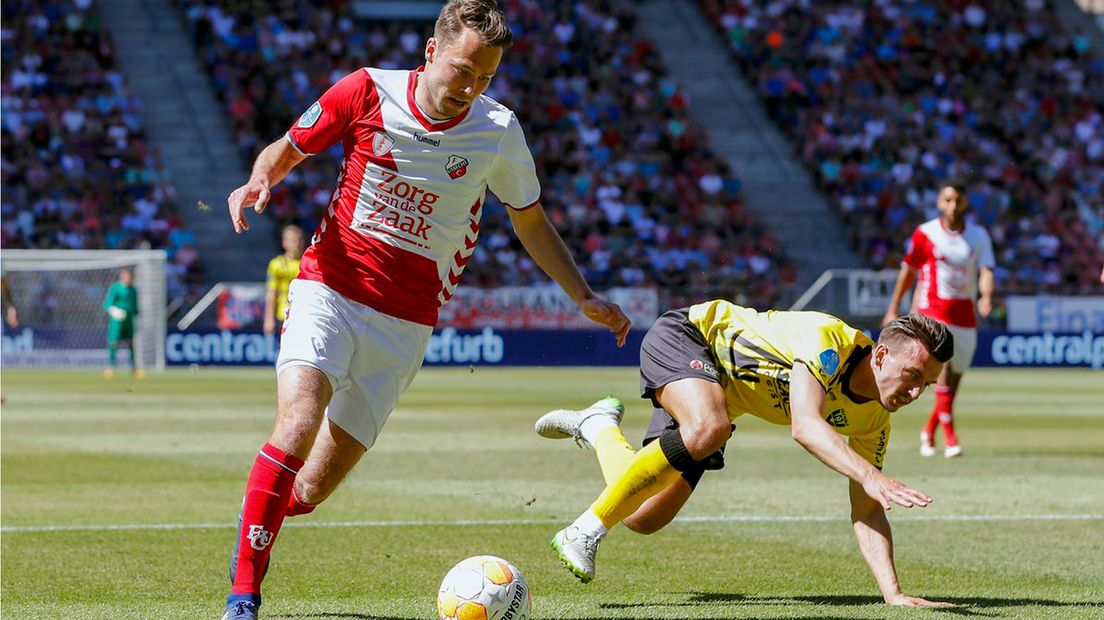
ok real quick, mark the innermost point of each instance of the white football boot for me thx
(577, 551)
(953, 451)
(927, 445)
(568, 423)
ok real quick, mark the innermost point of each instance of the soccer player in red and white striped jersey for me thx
(952, 260)
(421, 148)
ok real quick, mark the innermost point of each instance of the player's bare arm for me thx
(986, 286)
(905, 279)
(270, 311)
(875, 540)
(809, 429)
(272, 165)
(548, 250)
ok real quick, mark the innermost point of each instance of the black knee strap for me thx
(670, 442)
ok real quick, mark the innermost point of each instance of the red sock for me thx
(933, 420)
(297, 506)
(266, 499)
(944, 404)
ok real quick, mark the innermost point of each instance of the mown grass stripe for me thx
(493, 522)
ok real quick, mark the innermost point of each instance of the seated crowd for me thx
(884, 100)
(627, 178)
(78, 171)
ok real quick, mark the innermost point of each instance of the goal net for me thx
(59, 295)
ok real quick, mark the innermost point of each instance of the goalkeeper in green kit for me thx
(121, 305)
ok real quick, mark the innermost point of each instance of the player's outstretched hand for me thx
(887, 491)
(609, 314)
(254, 194)
(905, 600)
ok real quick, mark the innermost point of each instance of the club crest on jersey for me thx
(837, 418)
(311, 116)
(382, 143)
(456, 166)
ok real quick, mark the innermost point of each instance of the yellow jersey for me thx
(756, 352)
(281, 271)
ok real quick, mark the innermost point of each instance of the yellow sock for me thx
(647, 474)
(614, 452)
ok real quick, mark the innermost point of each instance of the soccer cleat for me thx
(577, 550)
(109, 373)
(234, 553)
(927, 445)
(953, 451)
(242, 607)
(567, 423)
(139, 373)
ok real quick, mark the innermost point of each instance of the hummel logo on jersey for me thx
(837, 418)
(422, 138)
(382, 143)
(311, 116)
(456, 166)
(259, 538)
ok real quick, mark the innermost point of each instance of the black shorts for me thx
(674, 349)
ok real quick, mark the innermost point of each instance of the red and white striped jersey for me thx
(404, 218)
(948, 263)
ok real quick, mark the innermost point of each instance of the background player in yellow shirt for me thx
(281, 271)
(705, 365)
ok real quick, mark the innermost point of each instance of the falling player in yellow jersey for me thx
(706, 365)
(281, 271)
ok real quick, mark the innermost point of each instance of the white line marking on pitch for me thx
(489, 522)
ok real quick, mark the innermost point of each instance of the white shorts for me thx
(369, 357)
(965, 342)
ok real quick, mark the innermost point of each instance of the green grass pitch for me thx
(119, 500)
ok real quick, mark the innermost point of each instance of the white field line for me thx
(507, 522)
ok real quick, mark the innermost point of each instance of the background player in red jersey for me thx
(421, 148)
(954, 260)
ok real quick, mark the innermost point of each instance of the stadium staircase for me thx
(777, 187)
(1078, 21)
(187, 124)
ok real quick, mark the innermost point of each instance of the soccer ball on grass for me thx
(484, 588)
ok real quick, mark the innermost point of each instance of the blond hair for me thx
(485, 17)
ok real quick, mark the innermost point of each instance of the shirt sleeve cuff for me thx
(528, 206)
(296, 146)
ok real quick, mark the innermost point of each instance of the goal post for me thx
(858, 295)
(59, 298)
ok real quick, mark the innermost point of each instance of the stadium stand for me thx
(628, 179)
(884, 100)
(78, 172)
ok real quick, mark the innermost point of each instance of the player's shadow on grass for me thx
(324, 615)
(971, 606)
(343, 615)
